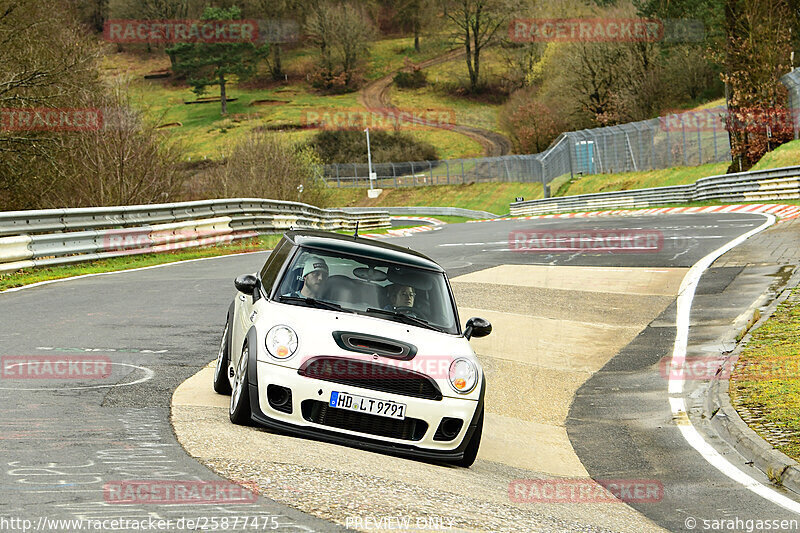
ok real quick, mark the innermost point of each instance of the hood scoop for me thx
(373, 344)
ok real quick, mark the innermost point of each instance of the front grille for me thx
(372, 376)
(321, 413)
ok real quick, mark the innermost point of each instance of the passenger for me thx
(400, 296)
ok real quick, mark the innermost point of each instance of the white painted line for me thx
(59, 280)
(677, 405)
(148, 375)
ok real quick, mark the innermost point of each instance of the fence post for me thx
(545, 192)
(338, 184)
(430, 169)
(699, 145)
(462, 172)
(683, 131)
(394, 175)
(714, 129)
(652, 149)
(413, 174)
(447, 165)
(355, 175)
(569, 156)
(668, 162)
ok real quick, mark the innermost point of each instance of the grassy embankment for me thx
(268, 105)
(765, 384)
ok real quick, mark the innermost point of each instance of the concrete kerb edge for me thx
(778, 467)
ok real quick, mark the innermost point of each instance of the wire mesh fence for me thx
(792, 83)
(687, 139)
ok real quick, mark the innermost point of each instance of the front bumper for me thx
(304, 389)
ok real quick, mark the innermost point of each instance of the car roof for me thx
(337, 242)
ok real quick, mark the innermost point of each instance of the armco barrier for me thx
(61, 236)
(773, 184)
(424, 210)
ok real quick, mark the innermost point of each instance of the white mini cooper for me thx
(354, 341)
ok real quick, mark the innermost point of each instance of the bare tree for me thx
(342, 32)
(415, 15)
(46, 60)
(277, 12)
(479, 23)
(267, 165)
(126, 162)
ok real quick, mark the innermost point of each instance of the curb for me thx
(782, 211)
(778, 467)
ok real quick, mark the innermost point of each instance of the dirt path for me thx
(376, 96)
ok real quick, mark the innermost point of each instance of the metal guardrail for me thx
(754, 186)
(424, 210)
(60, 236)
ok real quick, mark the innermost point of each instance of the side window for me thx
(274, 263)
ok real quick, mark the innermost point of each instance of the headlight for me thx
(463, 375)
(281, 342)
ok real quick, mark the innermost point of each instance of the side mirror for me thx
(246, 284)
(477, 327)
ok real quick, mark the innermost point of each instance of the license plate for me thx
(372, 406)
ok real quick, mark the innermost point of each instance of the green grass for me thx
(388, 55)
(26, 277)
(467, 112)
(786, 155)
(491, 197)
(765, 384)
(636, 180)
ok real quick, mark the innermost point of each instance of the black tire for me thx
(471, 452)
(222, 384)
(239, 410)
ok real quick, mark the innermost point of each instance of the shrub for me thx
(267, 165)
(350, 146)
(413, 79)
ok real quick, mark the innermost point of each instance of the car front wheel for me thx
(240, 396)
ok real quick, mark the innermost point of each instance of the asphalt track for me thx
(63, 440)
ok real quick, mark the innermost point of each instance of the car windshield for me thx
(390, 291)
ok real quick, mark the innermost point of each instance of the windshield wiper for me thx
(414, 321)
(321, 304)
